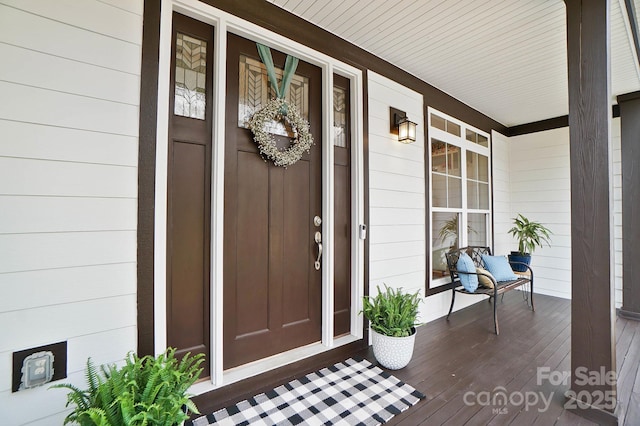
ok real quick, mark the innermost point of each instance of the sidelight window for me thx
(190, 77)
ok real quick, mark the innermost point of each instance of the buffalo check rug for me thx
(348, 393)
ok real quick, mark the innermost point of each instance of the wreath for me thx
(280, 109)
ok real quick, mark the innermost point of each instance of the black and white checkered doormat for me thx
(348, 393)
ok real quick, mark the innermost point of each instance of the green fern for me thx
(145, 391)
(392, 312)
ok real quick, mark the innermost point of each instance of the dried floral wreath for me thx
(301, 143)
(279, 109)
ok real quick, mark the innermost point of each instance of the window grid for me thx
(459, 216)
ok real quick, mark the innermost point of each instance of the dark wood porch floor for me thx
(462, 355)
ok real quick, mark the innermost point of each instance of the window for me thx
(190, 77)
(460, 190)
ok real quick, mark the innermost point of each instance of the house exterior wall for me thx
(617, 208)
(539, 175)
(502, 218)
(68, 191)
(540, 191)
(397, 199)
(68, 188)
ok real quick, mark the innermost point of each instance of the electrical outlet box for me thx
(37, 366)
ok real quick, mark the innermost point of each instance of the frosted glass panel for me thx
(255, 92)
(191, 75)
(340, 117)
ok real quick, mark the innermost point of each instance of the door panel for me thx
(253, 241)
(272, 292)
(189, 189)
(188, 265)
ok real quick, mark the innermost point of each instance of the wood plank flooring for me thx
(462, 360)
(462, 357)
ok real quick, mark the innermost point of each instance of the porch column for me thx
(592, 313)
(630, 126)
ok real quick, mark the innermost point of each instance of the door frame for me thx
(224, 22)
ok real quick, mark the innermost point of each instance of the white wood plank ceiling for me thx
(506, 58)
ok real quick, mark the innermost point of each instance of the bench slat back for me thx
(474, 252)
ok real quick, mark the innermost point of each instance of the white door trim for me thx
(224, 22)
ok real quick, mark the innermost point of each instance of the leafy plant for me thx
(450, 229)
(392, 312)
(529, 234)
(145, 391)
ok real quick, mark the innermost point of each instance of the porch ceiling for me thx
(506, 59)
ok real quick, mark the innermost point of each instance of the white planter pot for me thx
(393, 352)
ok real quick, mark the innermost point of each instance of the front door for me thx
(272, 291)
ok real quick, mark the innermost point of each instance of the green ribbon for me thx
(290, 66)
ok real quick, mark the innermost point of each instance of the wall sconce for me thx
(402, 126)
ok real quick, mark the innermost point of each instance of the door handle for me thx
(318, 238)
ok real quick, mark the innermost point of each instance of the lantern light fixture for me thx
(402, 126)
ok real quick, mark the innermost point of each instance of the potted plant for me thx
(393, 315)
(145, 391)
(529, 235)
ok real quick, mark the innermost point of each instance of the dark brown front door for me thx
(189, 188)
(272, 292)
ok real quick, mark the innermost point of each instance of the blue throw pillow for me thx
(499, 267)
(469, 281)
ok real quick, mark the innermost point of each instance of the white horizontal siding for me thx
(64, 75)
(396, 216)
(68, 188)
(397, 199)
(540, 190)
(40, 177)
(66, 110)
(53, 323)
(35, 31)
(57, 286)
(395, 250)
(38, 141)
(26, 252)
(397, 191)
(617, 209)
(91, 15)
(25, 214)
(502, 219)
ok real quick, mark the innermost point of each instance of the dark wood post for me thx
(147, 174)
(592, 313)
(630, 126)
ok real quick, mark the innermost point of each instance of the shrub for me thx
(145, 391)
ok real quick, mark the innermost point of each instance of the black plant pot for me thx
(516, 256)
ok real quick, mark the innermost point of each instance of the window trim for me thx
(434, 286)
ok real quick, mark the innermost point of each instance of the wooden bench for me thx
(500, 287)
